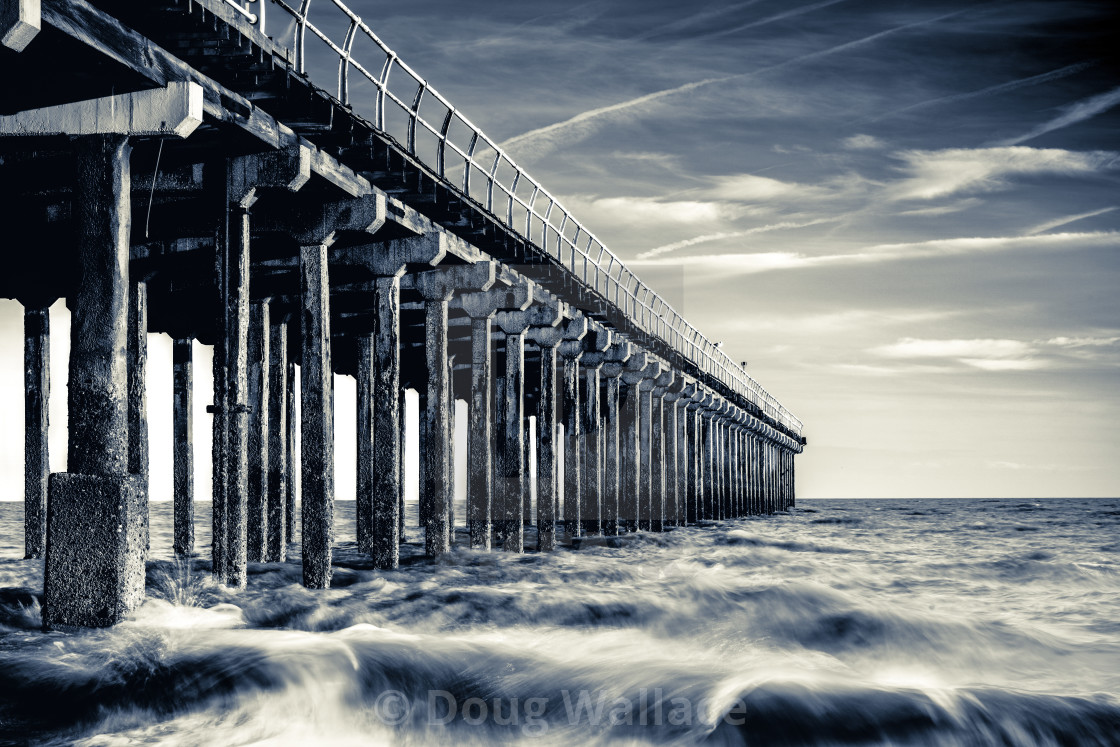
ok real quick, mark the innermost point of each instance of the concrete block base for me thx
(94, 571)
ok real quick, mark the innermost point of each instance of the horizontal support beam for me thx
(175, 110)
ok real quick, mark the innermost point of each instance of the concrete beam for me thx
(20, 22)
(318, 223)
(175, 110)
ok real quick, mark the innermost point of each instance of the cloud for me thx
(993, 90)
(665, 249)
(910, 347)
(1076, 112)
(862, 142)
(584, 122)
(945, 172)
(1041, 227)
(751, 263)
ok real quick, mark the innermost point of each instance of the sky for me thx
(903, 216)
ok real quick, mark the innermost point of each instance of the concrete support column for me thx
(629, 467)
(138, 398)
(36, 463)
(592, 449)
(692, 468)
(646, 458)
(680, 458)
(612, 435)
(257, 505)
(290, 467)
(388, 449)
(364, 443)
(480, 462)
(509, 531)
(436, 459)
(94, 565)
(547, 483)
(657, 465)
(183, 447)
(316, 418)
(278, 453)
(571, 415)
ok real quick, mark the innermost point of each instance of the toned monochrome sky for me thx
(903, 215)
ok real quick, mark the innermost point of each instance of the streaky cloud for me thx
(1050, 224)
(657, 251)
(591, 115)
(1076, 112)
(1011, 85)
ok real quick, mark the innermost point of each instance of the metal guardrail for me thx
(397, 101)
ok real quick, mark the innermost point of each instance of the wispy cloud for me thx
(1011, 85)
(940, 173)
(582, 121)
(1076, 112)
(1050, 224)
(665, 249)
(738, 264)
(862, 142)
(784, 15)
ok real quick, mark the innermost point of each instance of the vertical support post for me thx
(546, 452)
(645, 455)
(388, 447)
(258, 359)
(36, 463)
(278, 453)
(95, 511)
(573, 442)
(592, 460)
(183, 454)
(237, 405)
(437, 470)
(138, 397)
(509, 531)
(612, 475)
(657, 460)
(480, 464)
(449, 442)
(364, 442)
(681, 459)
(316, 419)
(290, 467)
(402, 398)
(630, 418)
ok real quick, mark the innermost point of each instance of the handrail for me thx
(491, 178)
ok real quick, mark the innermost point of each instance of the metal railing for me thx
(375, 84)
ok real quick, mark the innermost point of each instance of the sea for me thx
(840, 622)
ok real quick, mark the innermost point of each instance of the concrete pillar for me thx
(571, 415)
(402, 400)
(612, 435)
(480, 460)
(138, 398)
(256, 527)
(316, 419)
(592, 446)
(290, 467)
(388, 448)
(630, 419)
(183, 446)
(683, 477)
(436, 464)
(449, 442)
(94, 565)
(547, 486)
(646, 457)
(364, 443)
(692, 493)
(36, 463)
(509, 497)
(278, 451)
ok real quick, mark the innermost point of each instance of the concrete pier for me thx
(296, 239)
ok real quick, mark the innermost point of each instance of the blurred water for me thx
(914, 622)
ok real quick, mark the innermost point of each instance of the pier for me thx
(270, 179)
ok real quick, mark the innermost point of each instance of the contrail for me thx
(728, 235)
(772, 19)
(991, 90)
(593, 114)
(1068, 219)
(683, 23)
(1076, 112)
